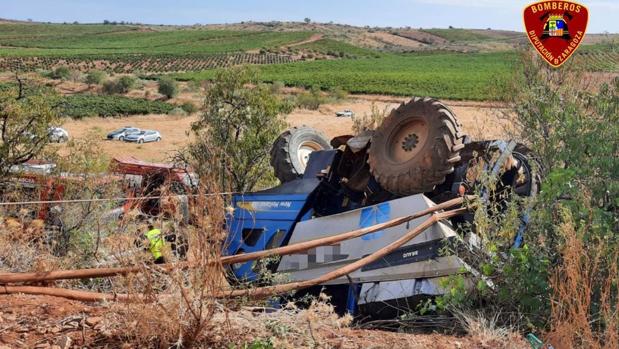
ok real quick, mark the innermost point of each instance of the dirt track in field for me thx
(481, 120)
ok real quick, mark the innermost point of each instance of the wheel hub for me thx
(407, 139)
(305, 149)
(410, 142)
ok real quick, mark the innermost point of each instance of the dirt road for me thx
(480, 120)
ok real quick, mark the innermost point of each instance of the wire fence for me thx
(76, 201)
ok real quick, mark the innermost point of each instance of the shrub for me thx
(309, 101)
(564, 278)
(61, 73)
(126, 83)
(371, 121)
(277, 86)
(339, 93)
(168, 87)
(189, 107)
(178, 111)
(111, 87)
(120, 86)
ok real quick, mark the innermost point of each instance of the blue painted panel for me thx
(267, 212)
(374, 215)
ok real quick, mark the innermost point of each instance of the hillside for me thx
(448, 63)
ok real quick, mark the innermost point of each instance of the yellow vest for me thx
(155, 242)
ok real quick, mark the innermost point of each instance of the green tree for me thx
(234, 135)
(168, 87)
(26, 113)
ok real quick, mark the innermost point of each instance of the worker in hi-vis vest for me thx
(155, 243)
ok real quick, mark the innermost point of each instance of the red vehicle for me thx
(139, 178)
(147, 179)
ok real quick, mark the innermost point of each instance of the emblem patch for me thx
(556, 28)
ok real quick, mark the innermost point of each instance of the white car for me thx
(346, 113)
(144, 136)
(58, 134)
(121, 133)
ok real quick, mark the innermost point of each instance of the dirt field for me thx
(480, 120)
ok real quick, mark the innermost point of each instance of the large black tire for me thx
(527, 179)
(415, 147)
(291, 150)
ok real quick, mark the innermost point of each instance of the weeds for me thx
(488, 332)
(586, 318)
(369, 122)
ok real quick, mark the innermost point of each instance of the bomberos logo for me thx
(556, 28)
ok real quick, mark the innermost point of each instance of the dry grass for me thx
(487, 333)
(585, 297)
(177, 308)
(286, 328)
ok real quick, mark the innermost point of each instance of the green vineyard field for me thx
(64, 40)
(444, 75)
(140, 63)
(85, 105)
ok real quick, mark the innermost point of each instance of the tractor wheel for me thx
(416, 146)
(290, 152)
(527, 179)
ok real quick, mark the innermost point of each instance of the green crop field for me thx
(603, 57)
(466, 35)
(84, 105)
(443, 75)
(196, 53)
(127, 49)
(154, 63)
(338, 48)
(64, 40)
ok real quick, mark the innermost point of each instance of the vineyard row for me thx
(140, 63)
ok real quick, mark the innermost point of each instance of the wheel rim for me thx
(407, 140)
(524, 180)
(304, 151)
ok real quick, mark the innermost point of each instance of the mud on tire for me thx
(416, 146)
(291, 150)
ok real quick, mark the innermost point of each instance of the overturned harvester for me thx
(416, 159)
